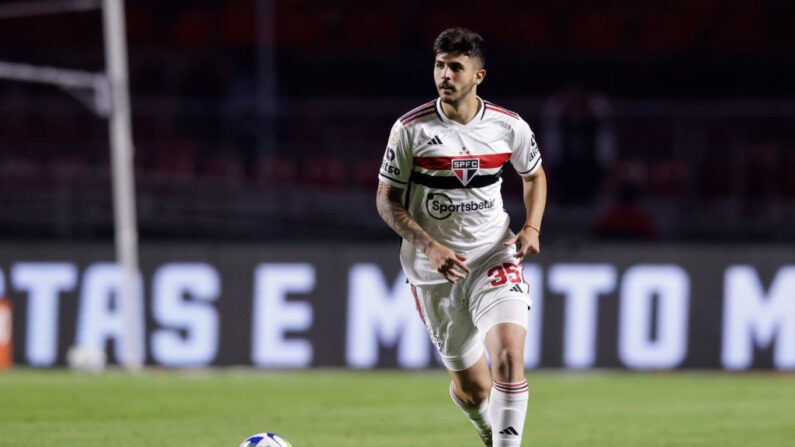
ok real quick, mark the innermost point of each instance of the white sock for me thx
(478, 416)
(508, 406)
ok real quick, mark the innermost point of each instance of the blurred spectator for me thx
(626, 221)
(578, 143)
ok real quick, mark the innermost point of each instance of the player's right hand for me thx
(447, 262)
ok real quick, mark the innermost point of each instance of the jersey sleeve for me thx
(397, 163)
(526, 158)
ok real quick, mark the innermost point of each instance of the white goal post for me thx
(111, 100)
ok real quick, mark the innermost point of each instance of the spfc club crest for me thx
(466, 169)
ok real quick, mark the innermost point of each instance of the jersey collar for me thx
(445, 119)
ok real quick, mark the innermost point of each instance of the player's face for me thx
(456, 76)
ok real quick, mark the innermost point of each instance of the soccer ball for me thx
(265, 440)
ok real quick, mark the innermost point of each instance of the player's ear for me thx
(480, 75)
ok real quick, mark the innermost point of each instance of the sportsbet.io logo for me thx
(440, 207)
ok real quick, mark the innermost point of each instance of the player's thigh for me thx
(451, 329)
(505, 326)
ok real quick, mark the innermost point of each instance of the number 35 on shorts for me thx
(505, 273)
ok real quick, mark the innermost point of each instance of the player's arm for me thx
(534, 191)
(447, 262)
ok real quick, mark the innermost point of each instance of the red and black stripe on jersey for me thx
(452, 182)
(489, 161)
(491, 106)
(425, 109)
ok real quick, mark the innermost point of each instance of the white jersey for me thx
(451, 174)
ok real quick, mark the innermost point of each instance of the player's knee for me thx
(475, 393)
(509, 364)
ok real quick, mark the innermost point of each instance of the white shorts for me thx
(459, 315)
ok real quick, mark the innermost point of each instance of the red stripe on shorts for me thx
(417, 302)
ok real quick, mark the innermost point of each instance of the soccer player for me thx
(439, 188)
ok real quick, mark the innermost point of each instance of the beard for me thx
(457, 95)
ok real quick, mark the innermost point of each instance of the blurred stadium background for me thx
(667, 131)
(688, 104)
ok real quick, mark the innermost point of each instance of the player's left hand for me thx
(527, 243)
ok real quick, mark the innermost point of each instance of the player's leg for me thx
(456, 338)
(505, 344)
(469, 390)
(505, 328)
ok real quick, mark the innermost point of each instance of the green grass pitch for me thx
(331, 408)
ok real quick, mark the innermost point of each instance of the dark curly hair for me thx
(461, 40)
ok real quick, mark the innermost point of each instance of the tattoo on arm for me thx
(388, 202)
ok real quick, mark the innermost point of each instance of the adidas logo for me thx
(509, 431)
(435, 140)
(517, 288)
